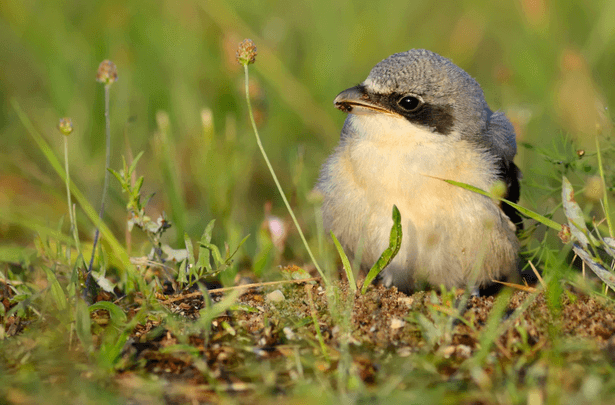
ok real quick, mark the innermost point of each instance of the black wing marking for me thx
(510, 173)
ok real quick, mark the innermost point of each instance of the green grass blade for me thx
(204, 254)
(189, 249)
(91, 213)
(83, 325)
(607, 209)
(56, 290)
(389, 253)
(531, 214)
(345, 263)
(275, 177)
(230, 256)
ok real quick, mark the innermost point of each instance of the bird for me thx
(417, 120)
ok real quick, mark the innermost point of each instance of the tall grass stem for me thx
(89, 283)
(71, 210)
(275, 178)
(607, 209)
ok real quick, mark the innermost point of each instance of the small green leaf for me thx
(110, 350)
(83, 325)
(215, 252)
(103, 282)
(179, 349)
(133, 165)
(190, 249)
(138, 185)
(204, 254)
(16, 254)
(345, 263)
(237, 249)
(56, 290)
(389, 253)
(73, 286)
(117, 176)
(117, 315)
(59, 232)
(183, 272)
(124, 171)
(209, 313)
(243, 308)
(176, 255)
(262, 259)
(209, 229)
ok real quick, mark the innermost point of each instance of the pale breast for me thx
(446, 228)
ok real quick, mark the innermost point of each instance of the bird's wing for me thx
(502, 136)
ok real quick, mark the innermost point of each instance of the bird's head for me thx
(423, 88)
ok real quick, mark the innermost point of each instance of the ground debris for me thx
(372, 327)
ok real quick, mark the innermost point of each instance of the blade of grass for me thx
(492, 329)
(321, 340)
(275, 178)
(607, 209)
(83, 202)
(389, 253)
(71, 211)
(529, 213)
(83, 325)
(90, 284)
(345, 263)
(56, 290)
(27, 220)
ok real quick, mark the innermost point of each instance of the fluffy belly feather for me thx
(451, 236)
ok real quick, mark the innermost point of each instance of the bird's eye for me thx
(410, 103)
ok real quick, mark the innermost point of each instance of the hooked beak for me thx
(356, 100)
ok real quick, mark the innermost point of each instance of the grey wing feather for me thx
(502, 135)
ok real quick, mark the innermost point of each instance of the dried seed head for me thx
(246, 53)
(65, 126)
(107, 72)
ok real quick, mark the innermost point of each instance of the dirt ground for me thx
(276, 323)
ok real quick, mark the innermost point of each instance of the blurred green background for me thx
(179, 98)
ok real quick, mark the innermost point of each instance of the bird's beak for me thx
(356, 100)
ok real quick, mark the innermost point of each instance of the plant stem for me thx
(89, 283)
(71, 211)
(321, 340)
(607, 210)
(275, 178)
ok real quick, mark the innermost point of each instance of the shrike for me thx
(418, 119)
